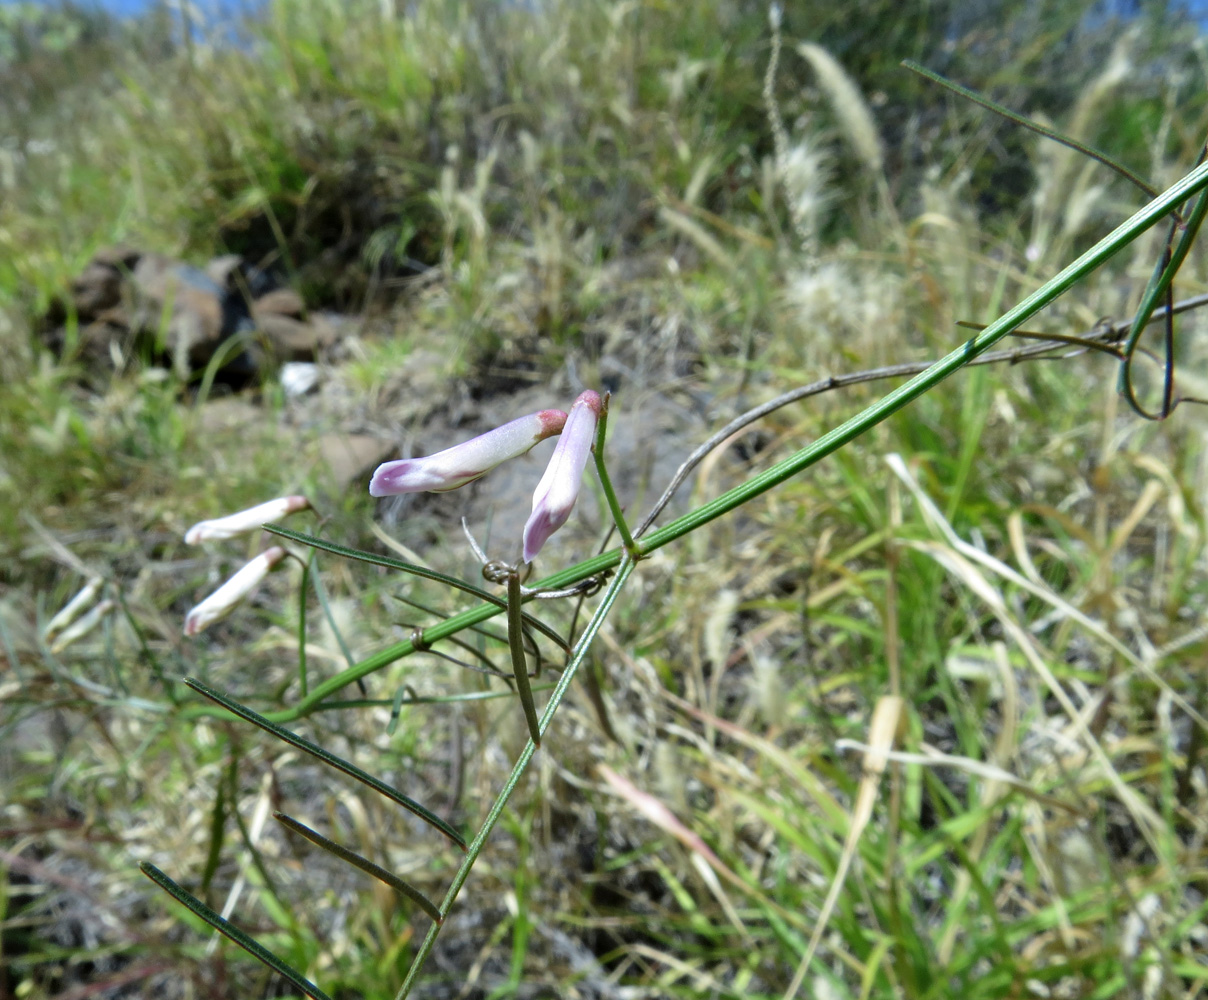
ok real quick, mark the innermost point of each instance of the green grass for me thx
(596, 185)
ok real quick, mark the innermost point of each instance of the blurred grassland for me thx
(514, 192)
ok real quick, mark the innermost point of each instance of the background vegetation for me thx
(616, 194)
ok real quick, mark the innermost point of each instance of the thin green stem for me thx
(618, 516)
(414, 570)
(1028, 123)
(303, 686)
(443, 699)
(432, 634)
(830, 442)
(519, 663)
(522, 762)
(1159, 286)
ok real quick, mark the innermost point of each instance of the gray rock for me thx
(282, 302)
(291, 339)
(99, 286)
(348, 457)
(182, 307)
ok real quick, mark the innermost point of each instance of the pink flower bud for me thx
(244, 521)
(559, 487)
(463, 463)
(232, 593)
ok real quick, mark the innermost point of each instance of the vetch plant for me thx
(583, 433)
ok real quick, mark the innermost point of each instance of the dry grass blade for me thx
(975, 555)
(782, 760)
(666, 820)
(931, 757)
(698, 235)
(991, 790)
(707, 864)
(953, 559)
(1147, 819)
(886, 718)
(255, 831)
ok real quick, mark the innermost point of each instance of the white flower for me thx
(243, 521)
(232, 593)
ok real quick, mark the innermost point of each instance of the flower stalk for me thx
(614, 506)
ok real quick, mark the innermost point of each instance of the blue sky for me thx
(229, 8)
(124, 8)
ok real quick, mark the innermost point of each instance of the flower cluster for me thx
(240, 586)
(559, 487)
(446, 470)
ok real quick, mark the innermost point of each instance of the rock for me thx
(195, 306)
(291, 339)
(348, 457)
(282, 302)
(237, 277)
(120, 255)
(298, 378)
(222, 271)
(99, 286)
(186, 313)
(230, 413)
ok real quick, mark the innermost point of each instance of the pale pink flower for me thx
(463, 463)
(558, 490)
(232, 593)
(243, 521)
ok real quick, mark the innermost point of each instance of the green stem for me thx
(614, 505)
(1159, 285)
(1028, 123)
(432, 634)
(522, 762)
(519, 664)
(303, 685)
(910, 391)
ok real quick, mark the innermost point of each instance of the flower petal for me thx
(558, 490)
(463, 463)
(243, 521)
(232, 593)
